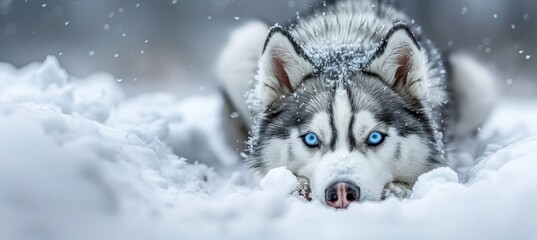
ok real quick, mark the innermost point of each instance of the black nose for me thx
(341, 194)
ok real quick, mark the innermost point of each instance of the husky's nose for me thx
(341, 194)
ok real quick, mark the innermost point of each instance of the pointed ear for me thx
(282, 66)
(400, 62)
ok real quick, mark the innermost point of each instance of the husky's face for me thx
(349, 138)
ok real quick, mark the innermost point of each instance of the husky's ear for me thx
(400, 61)
(282, 66)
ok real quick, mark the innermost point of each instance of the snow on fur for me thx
(79, 161)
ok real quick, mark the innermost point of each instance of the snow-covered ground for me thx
(80, 161)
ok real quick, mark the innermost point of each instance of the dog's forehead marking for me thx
(343, 124)
(342, 114)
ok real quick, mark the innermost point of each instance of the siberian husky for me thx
(351, 98)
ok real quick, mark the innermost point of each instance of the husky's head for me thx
(350, 129)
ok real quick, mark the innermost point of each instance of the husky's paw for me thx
(303, 188)
(396, 189)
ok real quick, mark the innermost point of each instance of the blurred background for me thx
(173, 45)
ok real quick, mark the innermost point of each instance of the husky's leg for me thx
(396, 189)
(303, 188)
(475, 92)
(238, 62)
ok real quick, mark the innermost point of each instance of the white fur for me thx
(237, 63)
(366, 122)
(319, 125)
(342, 108)
(413, 160)
(475, 90)
(279, 48)
(276, 152)
(305, 162)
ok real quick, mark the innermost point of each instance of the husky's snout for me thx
(341, 194)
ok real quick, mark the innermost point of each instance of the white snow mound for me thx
(279, 179)
(79, 161)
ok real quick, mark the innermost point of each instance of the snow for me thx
(279, 180)
(80, 161)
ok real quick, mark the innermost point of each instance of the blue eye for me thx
(375, 138)
(310, 139)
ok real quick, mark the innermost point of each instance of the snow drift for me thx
(79, 161)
